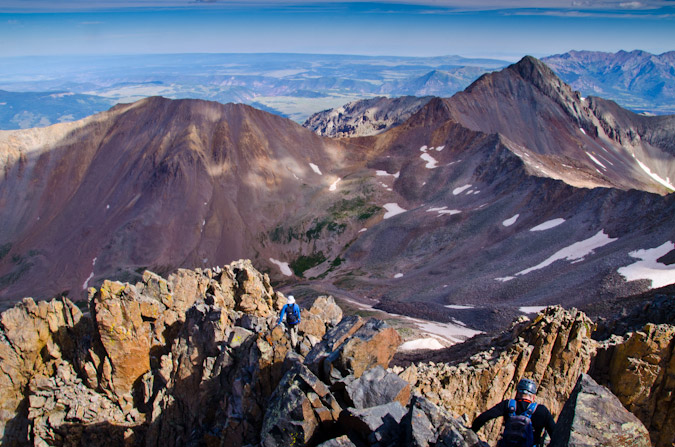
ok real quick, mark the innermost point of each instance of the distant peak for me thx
(532, 69)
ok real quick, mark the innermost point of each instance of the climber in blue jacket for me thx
(292, 313)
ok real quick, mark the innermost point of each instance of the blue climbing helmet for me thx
(526, 386)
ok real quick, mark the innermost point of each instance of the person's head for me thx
(526, 390)
(291, 299)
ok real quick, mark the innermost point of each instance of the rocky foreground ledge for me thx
(195, 359)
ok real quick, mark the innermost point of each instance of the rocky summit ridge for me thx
(196, 359)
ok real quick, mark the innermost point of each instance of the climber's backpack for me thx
(518, 431)
(293, 315)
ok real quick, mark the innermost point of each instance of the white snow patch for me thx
(453, 333)
(458, 306)
(431, 161)
(665, 182)
(450, 331)
(392, 210)
(595, 160)
(385, 173)
(285, 268)
(505, 278)
(363, 229)
(460, 190)
(315, 168)
(421, 343)
(107, 207)
(440, 148)
(531, 309)
(648, 268)
(548, 225)
(582, 131)
(443, 210)
(511, 220)
(89, 278)
(398, 275)
(333, 186)
(576, 251)
(424, 148)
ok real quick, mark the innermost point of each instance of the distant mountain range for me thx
(291, 85)
(640, 81)
(296, 85)
(515, 192)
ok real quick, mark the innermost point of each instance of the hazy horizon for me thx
(506, 30)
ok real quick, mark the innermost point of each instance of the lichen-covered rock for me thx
(594, 416)
(641, 373)
(124, 334)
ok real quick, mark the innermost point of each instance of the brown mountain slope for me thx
(474, 200)
(158, 182)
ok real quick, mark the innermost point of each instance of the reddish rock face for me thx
(125, 337)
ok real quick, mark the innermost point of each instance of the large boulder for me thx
(353, 347)
(377, 387)
(375, 426)
(593, 416)
(428, 425)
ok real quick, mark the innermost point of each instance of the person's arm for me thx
(549, 424)
(299, 313)
(492, 413)
(281, 316)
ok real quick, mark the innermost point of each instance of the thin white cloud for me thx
(551, 6)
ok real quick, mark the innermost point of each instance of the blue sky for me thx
(506, 29)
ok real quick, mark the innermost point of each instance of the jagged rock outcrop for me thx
(640, 370)
(34, 338)
(594, 416)
(199, 370)
(553, 350)
(196, 359)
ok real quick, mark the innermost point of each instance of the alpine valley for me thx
(514, 192)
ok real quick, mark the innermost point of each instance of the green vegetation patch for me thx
(303, 263)
(356, 207)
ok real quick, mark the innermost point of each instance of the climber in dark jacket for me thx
(525, 395)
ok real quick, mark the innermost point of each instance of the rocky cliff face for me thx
(196, 359)
(365, 117)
